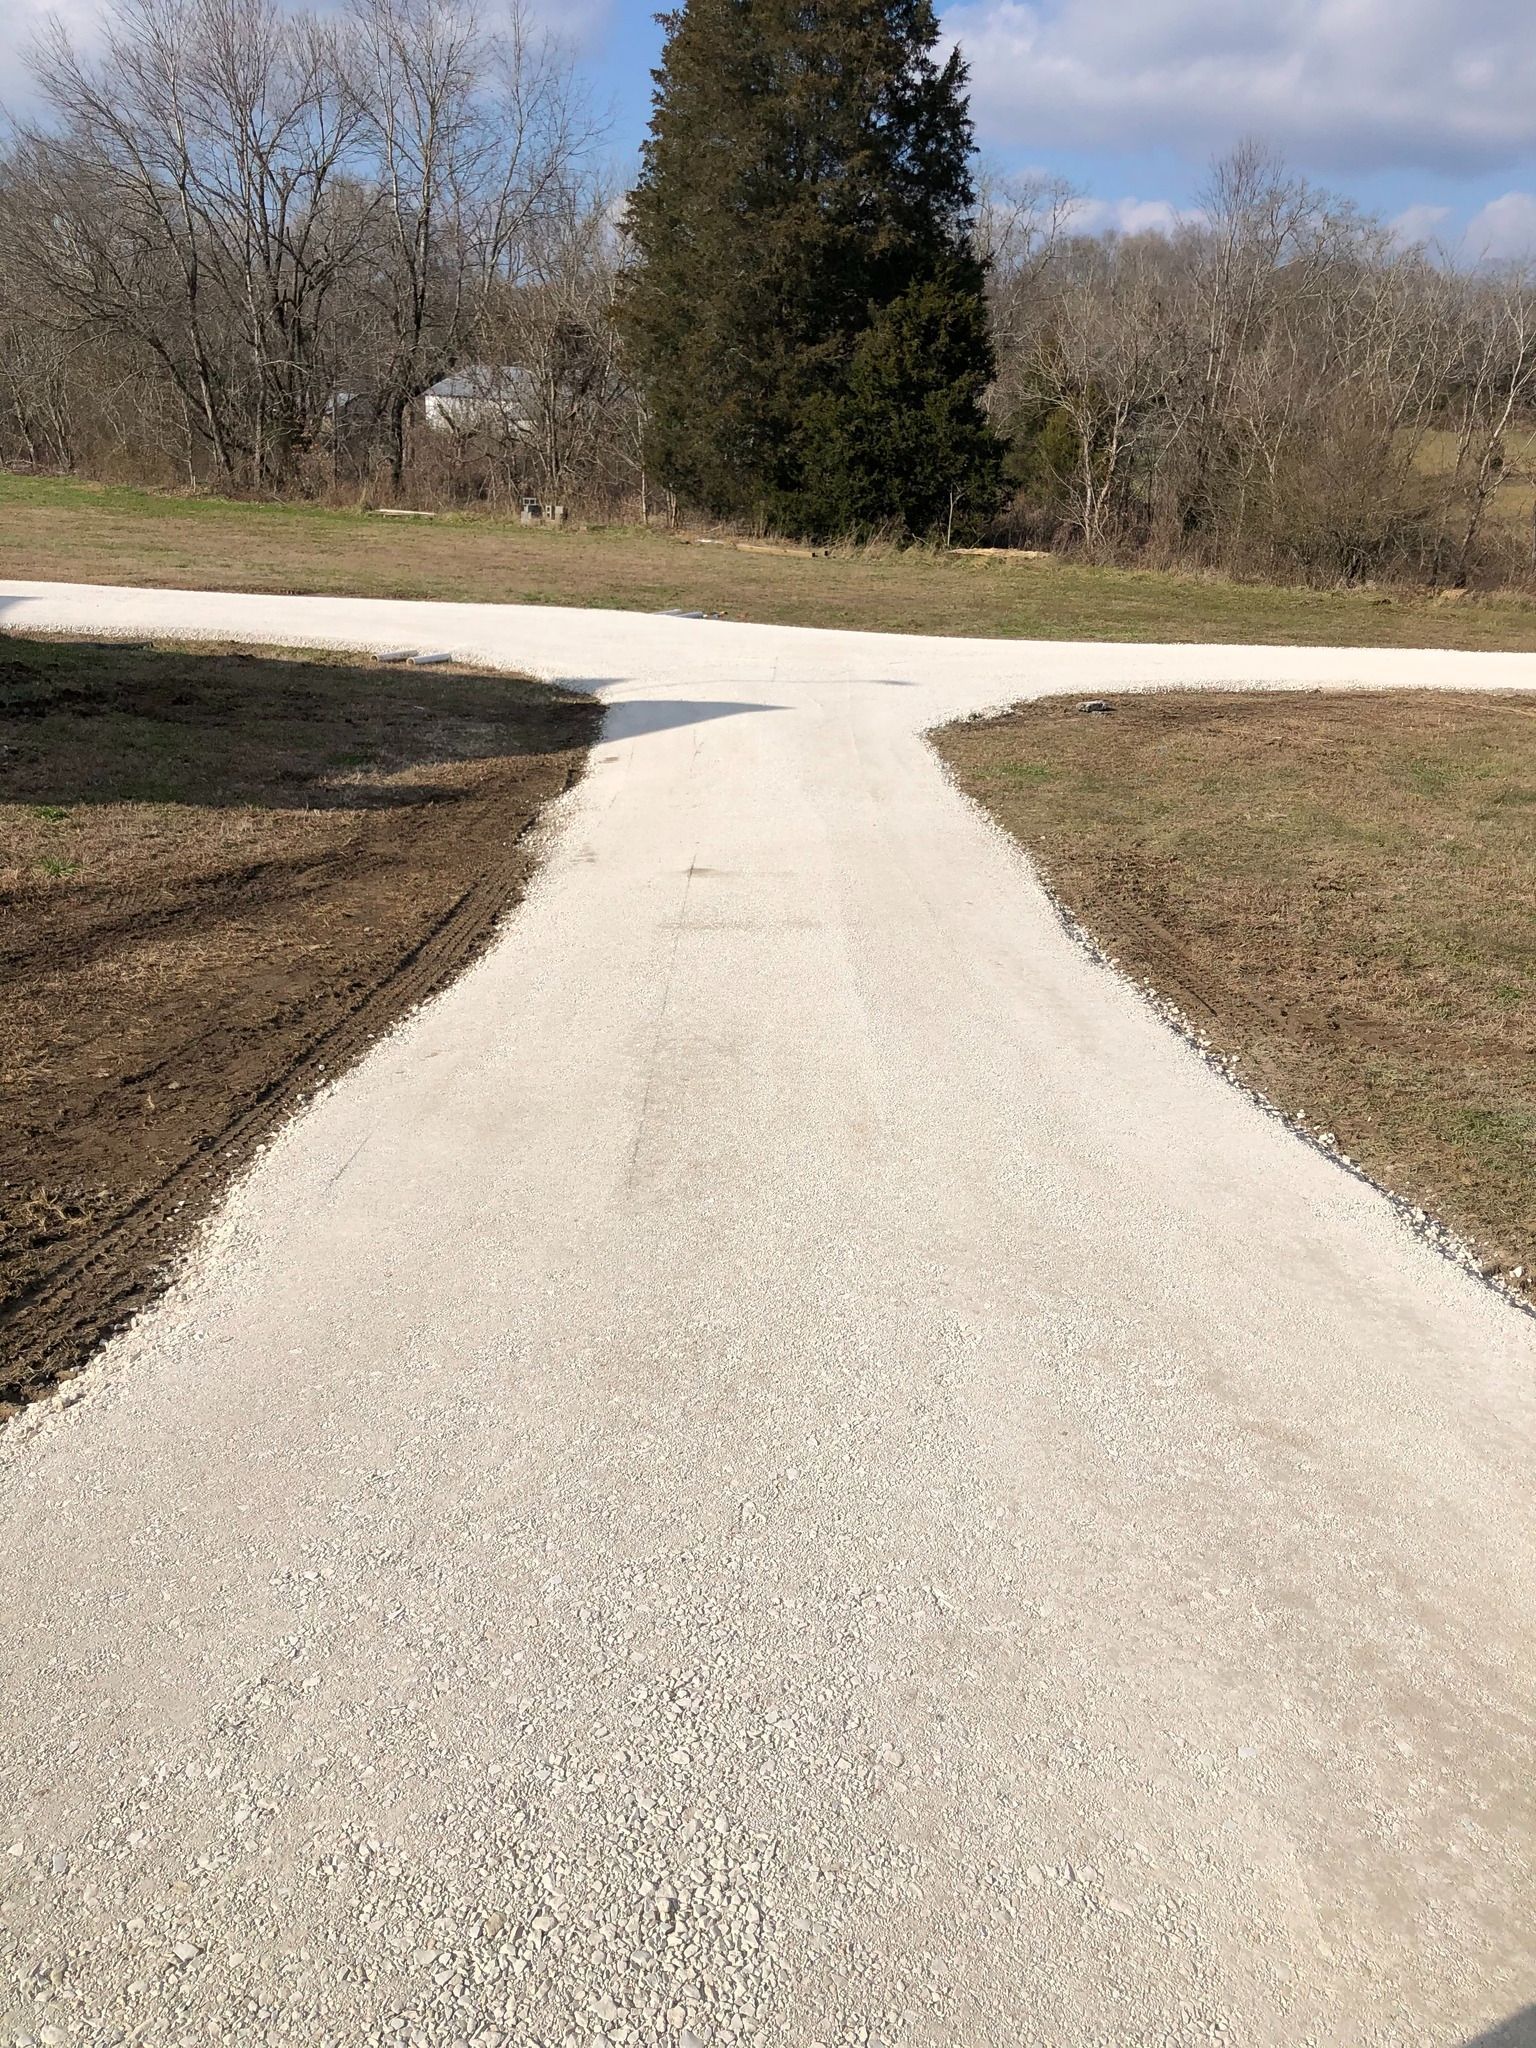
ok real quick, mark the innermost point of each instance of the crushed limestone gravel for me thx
(782, 1464)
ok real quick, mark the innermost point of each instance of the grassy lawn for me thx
(73, 532)
(221, 877)
(1339, 889)
(1514, 496)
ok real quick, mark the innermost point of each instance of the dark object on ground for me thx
(1337, 888)
(221, 878)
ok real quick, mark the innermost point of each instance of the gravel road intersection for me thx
(782, 1464)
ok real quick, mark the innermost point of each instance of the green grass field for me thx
(61, 530)
(1514, 498)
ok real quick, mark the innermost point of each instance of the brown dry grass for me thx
(1339, 888)
(73, 532)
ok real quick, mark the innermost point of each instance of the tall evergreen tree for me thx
(806, 308)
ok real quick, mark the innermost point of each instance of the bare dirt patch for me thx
(1338, 889)
(222, 876)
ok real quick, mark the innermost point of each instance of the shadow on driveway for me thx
(1516, 2032)
(630, 717)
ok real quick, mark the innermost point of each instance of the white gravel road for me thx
(783, 1464)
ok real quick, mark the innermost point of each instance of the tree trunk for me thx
(397, 406)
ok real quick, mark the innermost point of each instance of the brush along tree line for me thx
(240, 243)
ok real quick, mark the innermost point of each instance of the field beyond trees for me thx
(61, 530)
(1336, 888)
(221, 877)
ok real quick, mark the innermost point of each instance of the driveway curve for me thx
(782, 1464)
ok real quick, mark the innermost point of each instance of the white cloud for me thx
(579, 24)
(1126, 216)
(1504, 229)
(23, 18)
(1418, 224)
(1344, 85)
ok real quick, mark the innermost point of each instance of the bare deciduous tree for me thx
(283, 211)
(474, 137)
(1274, 385)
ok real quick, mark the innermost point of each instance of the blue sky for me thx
(1423, 110)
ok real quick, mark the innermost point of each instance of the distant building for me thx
(483, 398)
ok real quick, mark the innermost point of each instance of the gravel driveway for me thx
(783, 1464)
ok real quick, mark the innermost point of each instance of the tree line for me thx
(241, 245)
(243, 241)
(1276, 386)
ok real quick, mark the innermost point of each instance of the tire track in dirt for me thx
(111, 1177)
